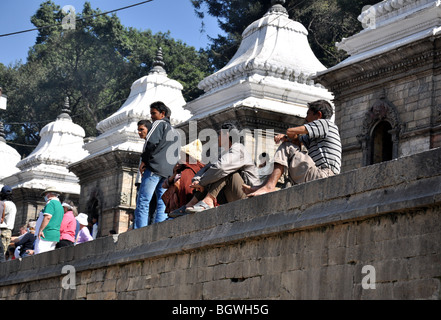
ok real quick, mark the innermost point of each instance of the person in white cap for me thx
(84, 234)
(49, 222)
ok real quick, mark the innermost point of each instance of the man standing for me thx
(8, 210)
(49, 222)
(155, 167)
(144, 126)
(322, 139)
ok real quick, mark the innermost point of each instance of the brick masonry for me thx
(310, 241)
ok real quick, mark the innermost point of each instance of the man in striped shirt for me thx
(320, 136)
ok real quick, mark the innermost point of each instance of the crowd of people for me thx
(167, 190)
(191, 186)
(58, 225)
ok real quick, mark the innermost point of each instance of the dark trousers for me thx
(2, 252)
(64, 243)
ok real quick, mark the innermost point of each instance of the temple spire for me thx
(277, 6)
(158, 64)
(65, 112)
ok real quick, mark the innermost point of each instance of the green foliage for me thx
(94, 65)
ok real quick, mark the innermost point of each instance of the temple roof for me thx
(119, 131)
(273, 66)
(388, 25)
(272, 46)
(61, 143)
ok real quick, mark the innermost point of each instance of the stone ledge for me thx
(361, 194)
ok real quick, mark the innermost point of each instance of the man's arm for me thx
(292, 134)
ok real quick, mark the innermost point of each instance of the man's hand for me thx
(142, 168)
(44, 223)
(195, 185)
(292, 135)
(280, 137)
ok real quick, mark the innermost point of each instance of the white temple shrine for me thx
(119, 131)
(61, 144)
(9, 157)
(265, 88)
(271, 71)
(107, 175)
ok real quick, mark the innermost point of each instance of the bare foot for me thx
(261, 191)
(248, 189)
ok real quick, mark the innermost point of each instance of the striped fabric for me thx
(323, 144)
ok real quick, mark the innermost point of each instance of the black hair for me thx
(323, 106)
(7, 197)
(145, 123)
(168, 114)
(232, 130)
(161, 107)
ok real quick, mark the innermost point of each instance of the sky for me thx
(176, 16)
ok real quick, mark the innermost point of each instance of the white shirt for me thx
(10, 213)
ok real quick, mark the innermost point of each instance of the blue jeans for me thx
(151, 184)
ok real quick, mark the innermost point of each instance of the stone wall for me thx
(311, 241)
(108, 189)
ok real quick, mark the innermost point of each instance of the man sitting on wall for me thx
(233, 168)
(322, 139)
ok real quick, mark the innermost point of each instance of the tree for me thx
(327, 22)
(94, 65)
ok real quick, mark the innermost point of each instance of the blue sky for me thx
(176, 16)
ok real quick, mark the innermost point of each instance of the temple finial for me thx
(277, 6)
(158, 64)
(65, 112)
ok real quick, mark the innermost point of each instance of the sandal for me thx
(178, 212)
(198, 207)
